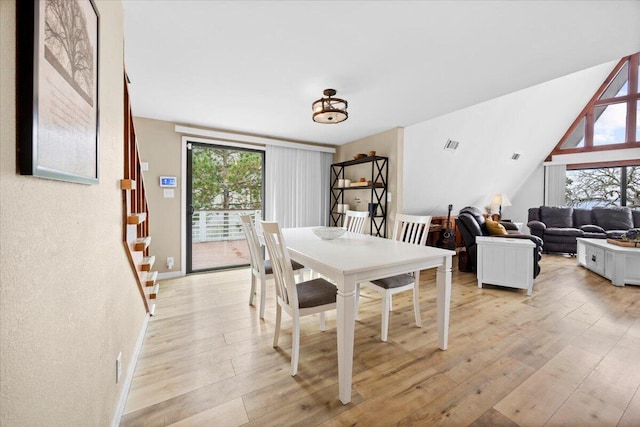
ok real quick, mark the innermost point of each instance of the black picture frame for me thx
(57, 102)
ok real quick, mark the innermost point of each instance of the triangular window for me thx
(611, 120)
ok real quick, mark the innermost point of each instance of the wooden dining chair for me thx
(296, 299)
(354, 221)
(410, 229)
(261, 269)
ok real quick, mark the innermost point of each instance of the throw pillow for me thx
(495, 228)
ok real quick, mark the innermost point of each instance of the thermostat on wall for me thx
(167, 181)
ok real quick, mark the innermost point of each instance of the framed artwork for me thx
(57, 89)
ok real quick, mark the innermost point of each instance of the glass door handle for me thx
(191, 210)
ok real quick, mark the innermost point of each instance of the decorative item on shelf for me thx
(328, 233)
(500, 200)
(372, 153)
(359, 156)
(341, 183)
(329, 110)
(347, 183)
(343, 208)
(373, 209)
(363, 179)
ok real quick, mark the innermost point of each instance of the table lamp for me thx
(500, 200)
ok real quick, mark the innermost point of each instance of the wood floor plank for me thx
(175, 385)
(584, 410)
(566, 354)
(493, 418)
(469, 401)
(308, 411)
(230, 414)
(536, 400)
(631, 416)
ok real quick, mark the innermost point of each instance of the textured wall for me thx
(160, 146)
(68, 299)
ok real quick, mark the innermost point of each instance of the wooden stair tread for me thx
(147, 263)
(136, 218)
(151, 278)
(127, 184)
(154, 292)
(142, 243)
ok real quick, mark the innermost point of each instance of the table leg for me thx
(618, 270)
(443, 279)
(345, 325)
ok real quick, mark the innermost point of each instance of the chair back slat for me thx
(412, 228)
(281, 262)
(354, 221)
(255, 254)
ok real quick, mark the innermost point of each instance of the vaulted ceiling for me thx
(256, 66)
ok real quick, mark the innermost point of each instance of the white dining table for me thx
(356, 258)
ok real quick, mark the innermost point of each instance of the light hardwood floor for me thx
(568, 355)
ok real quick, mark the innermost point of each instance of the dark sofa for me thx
(559, 227)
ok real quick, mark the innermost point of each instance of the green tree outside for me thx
(226, 179)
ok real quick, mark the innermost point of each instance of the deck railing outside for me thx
(219, 225)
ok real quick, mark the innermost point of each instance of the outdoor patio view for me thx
(226, 183)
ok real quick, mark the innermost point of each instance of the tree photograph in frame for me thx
(57, 91)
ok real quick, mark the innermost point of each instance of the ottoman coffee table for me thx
(619, 264)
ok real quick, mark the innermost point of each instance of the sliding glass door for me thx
(222, 183)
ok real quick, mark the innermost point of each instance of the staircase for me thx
(136, 214)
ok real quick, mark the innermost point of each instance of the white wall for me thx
(531, 194)
(529, 122)
(69, 302)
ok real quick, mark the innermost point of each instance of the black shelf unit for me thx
(379, 175)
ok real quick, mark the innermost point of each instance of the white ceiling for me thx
(256, 66)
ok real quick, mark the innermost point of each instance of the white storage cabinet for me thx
(505, 262)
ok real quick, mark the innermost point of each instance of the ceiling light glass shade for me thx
(330, 110)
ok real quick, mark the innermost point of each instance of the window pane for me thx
(633, 186)
(576, 139)
(587, 188)
(610, 124)
(619, 86)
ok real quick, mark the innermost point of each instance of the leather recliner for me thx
(471, 223)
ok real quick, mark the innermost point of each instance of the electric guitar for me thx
(447, 238)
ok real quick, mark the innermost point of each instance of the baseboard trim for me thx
(170, 275)
(122, 402)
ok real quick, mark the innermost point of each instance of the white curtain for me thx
(296, 186)
(555, 185)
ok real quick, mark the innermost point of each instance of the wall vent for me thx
(451, 145)
(515, 156)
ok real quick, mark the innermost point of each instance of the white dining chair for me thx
(354, 220)
(296, 299)
(261, 269)
(411, 229)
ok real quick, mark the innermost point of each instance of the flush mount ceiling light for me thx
(330, 110)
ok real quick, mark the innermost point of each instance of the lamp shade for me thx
(500, 200)
(330, 110)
